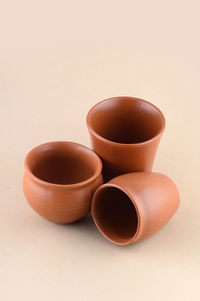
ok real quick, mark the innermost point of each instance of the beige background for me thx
(57, 59)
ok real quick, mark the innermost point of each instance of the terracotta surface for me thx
(125, 133)
(134, 206)
(59, 180)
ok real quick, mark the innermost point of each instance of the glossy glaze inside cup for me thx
(126, 120)
(115, 214)
(62, 163)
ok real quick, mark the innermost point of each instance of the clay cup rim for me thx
(89, 153)
(119, 144)
(134, 202)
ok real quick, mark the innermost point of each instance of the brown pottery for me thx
(125, 133)
(131, 207)
(59, 180)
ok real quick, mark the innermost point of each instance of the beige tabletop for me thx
(57, 59)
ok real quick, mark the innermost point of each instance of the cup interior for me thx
(62, 163)
(114, 214)
(126, 120)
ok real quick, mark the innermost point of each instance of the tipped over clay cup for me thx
(60, 179)
(134, 206)
(125, 133)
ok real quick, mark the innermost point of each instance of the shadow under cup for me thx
(125, 133)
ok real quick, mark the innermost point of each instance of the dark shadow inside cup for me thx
(126, 120)
(115, 214)
(62, 163)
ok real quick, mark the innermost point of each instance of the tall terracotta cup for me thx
(125, 133)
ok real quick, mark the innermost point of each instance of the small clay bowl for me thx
(134, 206)
(59, 180)
(125, 133)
